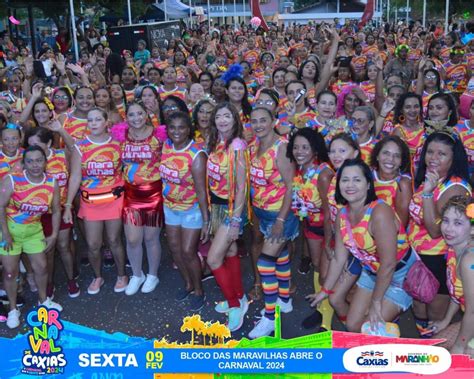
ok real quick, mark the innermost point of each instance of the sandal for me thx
(256, 293)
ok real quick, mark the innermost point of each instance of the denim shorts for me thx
(219, 216)
(395, 292)
(353, 265)
(268, 218)
(190, 219)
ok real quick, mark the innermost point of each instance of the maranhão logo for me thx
(372, 358)
(417, 359)
(44, 355)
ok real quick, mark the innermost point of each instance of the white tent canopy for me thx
(174, 8)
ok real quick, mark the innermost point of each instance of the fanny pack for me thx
(102, 198)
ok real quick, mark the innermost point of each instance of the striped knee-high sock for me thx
(283, 274)
(267, 268)
(233, 268)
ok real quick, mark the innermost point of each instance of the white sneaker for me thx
(264, 327)
(284, 307)
(150, 283)
(134, 284)
(13, 320)
(48, 303)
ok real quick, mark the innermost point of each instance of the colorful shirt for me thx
(57, 168)
(369, 89)
(141, 160)
(218, 164)
(359, 62)
(366, 149)
(362, 245)
(415, 140)
(386, 190)
(177, 91)
(101, 165)
(7, 163)
(454, 283)
(418, 235)
(76, 127)
(466, 134)
(456, 77)
(175, 169)
(334, 207)
(306, 119)
(306, 199)
(267, 187)
(129, 94)
(29, 200)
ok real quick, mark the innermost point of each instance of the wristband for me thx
(326, 291)
(67, 205)
(236, 219)
(426, 195)
(281, 219)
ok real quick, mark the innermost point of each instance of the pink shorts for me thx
(101, 212)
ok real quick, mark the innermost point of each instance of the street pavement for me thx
(158, 315)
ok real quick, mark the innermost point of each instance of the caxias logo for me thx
(44, 355)
(372, 358)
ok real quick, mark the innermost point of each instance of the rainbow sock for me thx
(422, 327)
(283, 274)
(267, 268)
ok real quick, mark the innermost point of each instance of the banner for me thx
(368, 13)
(52, 346)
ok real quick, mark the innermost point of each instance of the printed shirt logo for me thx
(44, 355)
(100, 168)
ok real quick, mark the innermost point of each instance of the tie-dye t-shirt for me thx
(366, 149)
(177, 91)
(29, 201)
(453, 282)
(386, 190)
(56, 167)
(267, 187)
(76, 127)
(8, 163)
(101, 165)
(175, 169)
(365, 249)
(306, 199)
(466, 135)
(418, 235)
(414, 139)
(141, 160)
(456, 77)
(218, 167)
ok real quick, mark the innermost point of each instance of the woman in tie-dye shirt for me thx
(96, 168)
(457, 231)
(368, 229)
(183, 171)
(390, 160)
(75, 122)
(271, 176)
(227, 171)
(58, 167)
(143, 204)
(442, 174)
(26, 195)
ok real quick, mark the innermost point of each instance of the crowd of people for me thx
(356, 140)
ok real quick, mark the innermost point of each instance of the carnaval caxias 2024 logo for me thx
(43, 356)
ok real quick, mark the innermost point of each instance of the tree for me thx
(192, 323)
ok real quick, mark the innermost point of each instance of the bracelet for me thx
(67, 205)
(281, 219)
(326, 291)
(426, 195)
(206, 222)
(236, 219)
